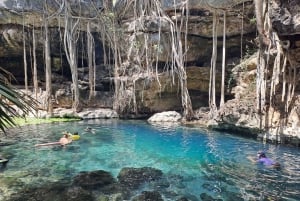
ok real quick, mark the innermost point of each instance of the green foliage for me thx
(30, 121)
(70, 116)
(13, 103)
(253, 20)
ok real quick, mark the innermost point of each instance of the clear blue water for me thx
(193, 160)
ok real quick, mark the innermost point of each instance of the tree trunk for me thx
(212, 82)
(25, 60)
(186, 102)
(35, 80)
(70, 45)
(48, 69)
(91, 59)
(117, 81)
(260, 8)
(223, 62)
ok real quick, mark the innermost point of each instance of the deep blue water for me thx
(193, 160)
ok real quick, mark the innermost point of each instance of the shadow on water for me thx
(134, 160)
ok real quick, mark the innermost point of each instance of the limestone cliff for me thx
(20, 17)
(279, 119)
(148, 86)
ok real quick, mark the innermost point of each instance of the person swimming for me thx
(263, 159)
(74, 136)
(89, 130)
(64, 140)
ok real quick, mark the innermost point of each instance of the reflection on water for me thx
(198, 164)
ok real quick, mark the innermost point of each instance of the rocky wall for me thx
(278, 122)
(157, 93)
(20, 15)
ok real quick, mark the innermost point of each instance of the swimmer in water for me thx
(90, 130)
(64, 140)
(263, 159)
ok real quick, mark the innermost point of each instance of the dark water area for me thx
(197, 164)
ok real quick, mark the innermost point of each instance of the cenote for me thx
(196, 164)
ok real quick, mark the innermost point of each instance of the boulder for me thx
(93, 180)
(170, 116)
(132, 178)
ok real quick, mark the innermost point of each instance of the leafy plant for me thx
(13, 103)
(253, 20)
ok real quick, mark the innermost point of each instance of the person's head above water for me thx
(66, 135)
(261, 154)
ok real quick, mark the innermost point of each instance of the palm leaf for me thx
(13, 103)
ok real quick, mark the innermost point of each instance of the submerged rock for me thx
(93, 180)
(132, 178)
(149, 196)
(53, 192)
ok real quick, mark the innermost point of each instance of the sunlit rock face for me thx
(280, 119)
(240, 114)
(285, 19)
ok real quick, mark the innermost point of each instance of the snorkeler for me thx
(263, 159)
(90, 130)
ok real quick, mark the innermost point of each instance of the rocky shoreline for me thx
(244, 124)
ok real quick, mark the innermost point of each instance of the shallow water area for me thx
(197, 164)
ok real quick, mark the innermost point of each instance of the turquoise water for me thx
(194, 161)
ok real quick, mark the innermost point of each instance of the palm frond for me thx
(13, 103)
